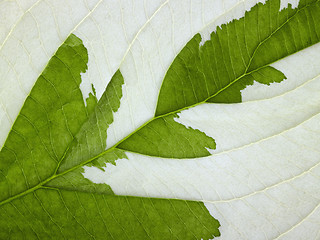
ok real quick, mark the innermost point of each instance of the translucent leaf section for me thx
(237, 54)
(92, 137)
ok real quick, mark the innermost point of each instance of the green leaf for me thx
(52, 115)
(237, 54)
(45, 191)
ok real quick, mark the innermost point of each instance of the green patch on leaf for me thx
(60, 214)
(164, 137)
